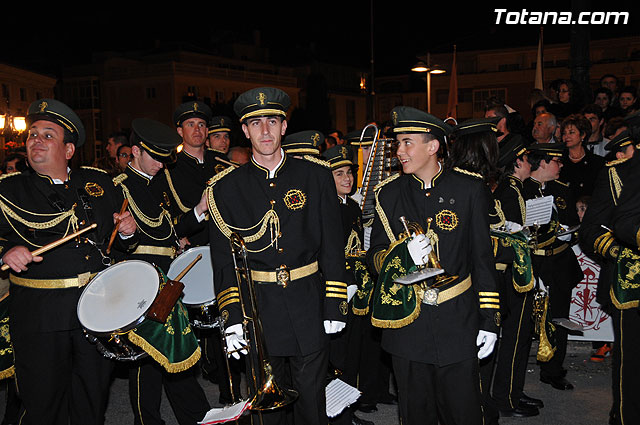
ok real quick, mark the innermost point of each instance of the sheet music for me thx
(367, 238)
(225, 414)
(539, 210)
(339, 396)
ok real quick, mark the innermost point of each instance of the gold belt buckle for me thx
(283, 276)
(431, 296)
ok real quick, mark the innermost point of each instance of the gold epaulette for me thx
(4, 176)
(213, 180)
(389, 179)
(86, 167)
(119, 179)
(468, 173)
(616, 162)
(562, 183)
(315, 160)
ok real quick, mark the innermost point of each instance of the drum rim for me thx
(126, 328)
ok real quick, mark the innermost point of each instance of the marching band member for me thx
(61, 377)
(435, 335)
(153, 145)
(285, 210)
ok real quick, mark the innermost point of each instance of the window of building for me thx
(219, 96)
(151, 92)
(480, 97)
(23, 94)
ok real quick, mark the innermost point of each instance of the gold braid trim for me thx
(119, 179)
(353, 243)
(622, 305)
(615, 184)
(395, 324)
(7, 373)
(315, 160)
(523, 208)
(58, 218)
(152, 222)
(86, 167)
(161, 358)
(468, 173)
(380, 211)
(616, 162)
(213, 180)
(4, 176)
(499, 213)
(174, 193)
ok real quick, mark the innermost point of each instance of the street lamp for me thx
(429, 69)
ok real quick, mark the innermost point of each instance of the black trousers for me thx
(61, 377)
(515, 344)
(626, 365)
(186, 397)
(427, 391)
(307, 375)
(559, 307)
(214, 364)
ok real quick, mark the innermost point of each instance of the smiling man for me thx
(61, 376)
(435, 342)
(286, 210)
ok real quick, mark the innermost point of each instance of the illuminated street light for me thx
(429, 69)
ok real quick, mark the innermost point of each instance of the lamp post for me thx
(429, 69)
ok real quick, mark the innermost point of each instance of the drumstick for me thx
(55, 243)
(224, 161)
(115, 229)
(186, 269)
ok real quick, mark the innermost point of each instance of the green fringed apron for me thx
(362, 298)
(625, 290)
(6, 350)
(522, 272)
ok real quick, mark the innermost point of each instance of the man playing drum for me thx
(62, 377)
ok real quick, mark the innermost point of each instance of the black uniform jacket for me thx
(597, 238)
(352, 229)
(147, 204)
(459, 206)
(34, 214)
(562, 267)
(186, 180)
(300, 217)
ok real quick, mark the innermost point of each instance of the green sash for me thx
(521, 271)
(625, 291)
(6, 350)
(362, 298)
(395, 305)
(173, 343)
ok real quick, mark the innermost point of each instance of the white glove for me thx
(351, 291)
(485, 342)
(333, 326)
(235, 341)
(566, 237)
(419, 249)
(512, 227)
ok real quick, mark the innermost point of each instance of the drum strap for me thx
(71, 282)
(166, 251)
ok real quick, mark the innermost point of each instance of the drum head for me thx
(198, 282)
(118, 296)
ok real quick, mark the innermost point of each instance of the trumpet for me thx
(265, 392)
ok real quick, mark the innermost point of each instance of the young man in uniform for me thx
(286, 211)
(435, 335)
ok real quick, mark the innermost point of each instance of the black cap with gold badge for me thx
(158, 140)
(473, 126)
(411, 120)
(353, 137)
(338, 156)
(262, 102)
(219, 124)
(511, 150)
(303, 142)
(550, 149)
(621, 140)
(192, 109)
(57, 112)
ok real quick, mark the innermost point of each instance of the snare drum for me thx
(114, 302)
(199, 295)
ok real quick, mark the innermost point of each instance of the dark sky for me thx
(294, 31)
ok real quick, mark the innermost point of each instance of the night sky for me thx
(294, 31)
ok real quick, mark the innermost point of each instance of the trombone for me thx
(265, 392)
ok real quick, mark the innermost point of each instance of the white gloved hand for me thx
(512, 227)
(485, 342)
(566, 237)
(235, 341)
(419, 249)
(333, 326)
(351, 291)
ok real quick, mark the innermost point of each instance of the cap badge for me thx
(344, 152)
(195, 106)
(261, 98)
(316, 138)
(221, 121)
(43, 106)
(394, 117)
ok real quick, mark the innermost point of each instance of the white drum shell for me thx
(198, 282)
(118, 297)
